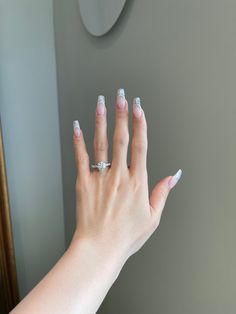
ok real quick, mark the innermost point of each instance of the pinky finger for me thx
(80, 150)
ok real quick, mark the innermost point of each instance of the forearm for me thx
(114, 208)
(77, 283)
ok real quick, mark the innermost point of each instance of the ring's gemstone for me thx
(101, 165)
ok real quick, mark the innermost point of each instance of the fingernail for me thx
(100, 105)
(76, 128)
(137, 109)
(174, 179)
(121, 98)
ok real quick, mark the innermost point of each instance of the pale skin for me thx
(115, 215)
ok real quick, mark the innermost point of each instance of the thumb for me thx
(161, 191)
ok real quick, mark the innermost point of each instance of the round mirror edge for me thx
(106, 31)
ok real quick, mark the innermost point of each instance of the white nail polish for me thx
(76, 128)
(100, 105)
(121, 92)
(120, 98)
(137, 101)
(175, 178)
(101, 99)
(137, 109)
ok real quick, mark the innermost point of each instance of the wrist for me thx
(106, 258)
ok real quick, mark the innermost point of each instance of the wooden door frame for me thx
(8, 275)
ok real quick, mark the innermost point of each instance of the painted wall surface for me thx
(179, 57)
(29, 117)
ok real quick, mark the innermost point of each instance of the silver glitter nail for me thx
(121, 92)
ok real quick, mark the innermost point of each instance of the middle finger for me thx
(121, 133)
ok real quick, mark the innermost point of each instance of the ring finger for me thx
(100, 136)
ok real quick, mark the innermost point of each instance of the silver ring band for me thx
(101, 165)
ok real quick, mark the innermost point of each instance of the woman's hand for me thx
(114, 211)
(114, 217)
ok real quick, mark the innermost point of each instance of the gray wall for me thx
(29, 116)
(179, 57)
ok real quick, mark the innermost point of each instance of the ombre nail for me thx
(137, 109)
(174, 179)
(100, 105)
(121, 98)
(76, 128)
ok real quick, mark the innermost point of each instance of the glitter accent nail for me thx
(100, 105)
(137, 109)
(101, 99)
(76, 128)
(120, 98)
(121, 92)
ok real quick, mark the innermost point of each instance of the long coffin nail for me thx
(101, 105)
(76, 128)
(174, 179)
(120, 98)
(137, 109)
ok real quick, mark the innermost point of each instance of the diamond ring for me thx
(101, 165)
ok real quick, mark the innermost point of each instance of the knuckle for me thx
(122, 142)
(82, 185)
(136, 183)
(139, 173)
(121, 113)
(163, 194)
(115, 182)
(139, 146)
(100, 120)
(121, 139)
(139, 179)
(141, 123)
(101, 146)
(82, 158)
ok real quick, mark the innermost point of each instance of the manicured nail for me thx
(121, 98)
(101, 105)
(76, 127)
(137, 109)
(174, 179)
